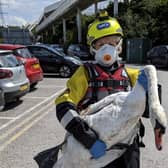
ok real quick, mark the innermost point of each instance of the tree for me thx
(144, 19)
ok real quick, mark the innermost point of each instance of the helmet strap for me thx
(92, 50)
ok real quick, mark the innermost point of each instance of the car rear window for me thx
(23, 52)
(163, 50)
(8, 61)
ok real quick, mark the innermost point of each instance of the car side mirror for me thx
(22, 62)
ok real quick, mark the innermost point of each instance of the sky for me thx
(22, 12)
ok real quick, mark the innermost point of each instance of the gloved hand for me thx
(98, 149)
(142, 79)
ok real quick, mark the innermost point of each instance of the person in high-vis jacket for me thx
(94, 81)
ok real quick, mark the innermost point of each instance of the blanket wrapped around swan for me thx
(115, 118)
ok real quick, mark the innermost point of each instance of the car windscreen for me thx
(158, 51)
(163, 50)
(55, 51)
(23, 52)
(8, 61)
(60, 52)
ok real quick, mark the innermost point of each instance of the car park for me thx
(80, 51)
(53, 61)
(158, 56)
(13, 80)
(31, 63)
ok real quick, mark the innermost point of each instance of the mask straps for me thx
(120, 43)
(92, 50)
(119, 49)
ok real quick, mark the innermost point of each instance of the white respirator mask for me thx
(107, 54)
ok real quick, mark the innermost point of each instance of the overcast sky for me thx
(21, 12)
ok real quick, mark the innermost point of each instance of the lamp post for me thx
(115, 8)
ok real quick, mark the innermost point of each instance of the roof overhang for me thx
(65, 9)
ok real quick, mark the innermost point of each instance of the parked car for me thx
(13, 81)
(80, 51)
(31, 63)
(53, 61)
(2, 102)
(58, 47)
(158, 56)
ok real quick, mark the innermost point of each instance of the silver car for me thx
(13, 80)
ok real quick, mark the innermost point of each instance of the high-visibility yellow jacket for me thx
(77, 85)
(66, 106)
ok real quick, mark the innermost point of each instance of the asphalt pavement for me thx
(30, 126)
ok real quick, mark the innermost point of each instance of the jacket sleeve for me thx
(66, 109)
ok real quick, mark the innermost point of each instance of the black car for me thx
(80, 51)
(57, 47)
(53, 61)
(158, 56)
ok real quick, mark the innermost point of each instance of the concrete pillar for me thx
(96, 7)
(115, 8)
(78, 18)
(53, 30)
(46, 33)
(64, 30)
(42, 37)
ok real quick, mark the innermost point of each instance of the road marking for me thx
(28, 97)
(26, 120)
(31, 109)
(23, 130)
(50, 86)
(7, 118)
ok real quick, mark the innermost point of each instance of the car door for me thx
(158, 56)
(49, 61)
(163, 56)
(42, 55)
(54, 61)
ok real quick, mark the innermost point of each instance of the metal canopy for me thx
(65, 9)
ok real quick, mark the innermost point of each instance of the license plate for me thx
(23, 87)
(36, 66)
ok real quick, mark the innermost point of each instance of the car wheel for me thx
(65, 71)
(2, 100)
(32, 86)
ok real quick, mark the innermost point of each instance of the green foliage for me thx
(145, 19)
(86, 20)
(138, 18)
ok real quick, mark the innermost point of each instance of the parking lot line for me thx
(30, 110)
(26, 120)
(50, 86)
(7, 118)
(24, 129)
(32, 97)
